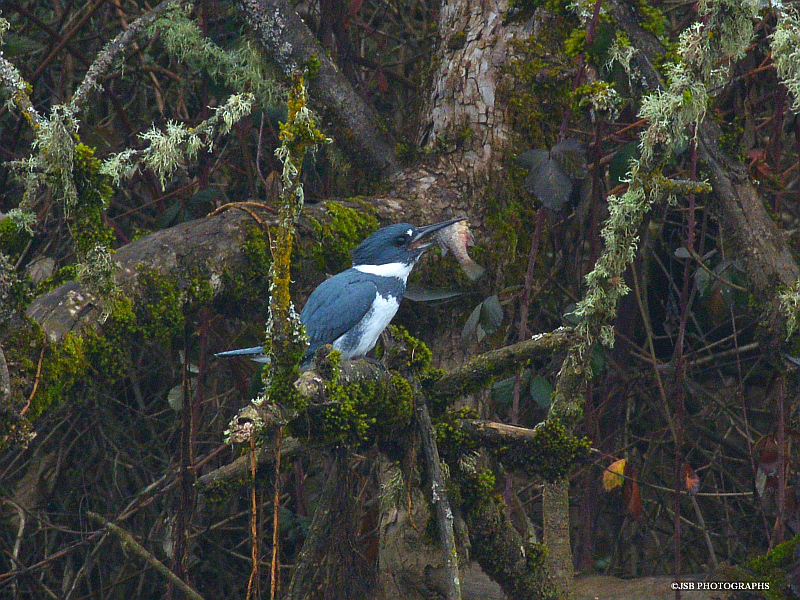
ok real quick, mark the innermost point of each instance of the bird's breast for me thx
(363, 337)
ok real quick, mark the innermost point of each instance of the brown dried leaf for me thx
(632, 499)
(690, 480)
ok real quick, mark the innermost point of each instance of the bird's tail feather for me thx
(242, 351)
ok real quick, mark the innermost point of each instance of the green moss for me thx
(345, 229)
(366, 413)
(247, 287)
(94, 191)
(407, 354)
(451, 440)
(653, 20)
(773, 567)
(552, 453)
(159, 314)
(312, 66)
(575, 42)
(13, 238)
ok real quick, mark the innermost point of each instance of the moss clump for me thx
(345, 229)
(312, 66)
(159, 315)
(489, 531)
(13, 238)
(773, 567)
(248, 286)
(62, 366)
(407, 354)
(653, 20)
(552, 453)
(450, 439)
(366, 413)
(94, 191)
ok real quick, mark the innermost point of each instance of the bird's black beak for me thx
(419, 241)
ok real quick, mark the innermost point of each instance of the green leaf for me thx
(541, 391)
(491, 314)
(570, 155)
(550, 185)
(421, 293)
(503, 391)
(532, 159)
(470, 329)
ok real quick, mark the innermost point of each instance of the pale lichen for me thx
(786, 53)
(242, 68)
(178, 143)
(789, 302)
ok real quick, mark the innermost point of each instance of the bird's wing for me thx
(336, 306)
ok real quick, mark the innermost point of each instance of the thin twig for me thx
(252, 584)
(274, 571)
(35, 384)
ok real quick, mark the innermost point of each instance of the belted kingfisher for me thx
(350, 310)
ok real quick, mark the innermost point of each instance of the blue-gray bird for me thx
(350, 310)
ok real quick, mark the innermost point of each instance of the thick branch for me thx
(239, 470)
(518, 567)
(292, 46)
(209, 247)
(444, 513)
(490, 433)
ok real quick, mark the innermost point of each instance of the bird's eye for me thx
(401, 240)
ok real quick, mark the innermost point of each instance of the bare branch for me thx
(127, 541)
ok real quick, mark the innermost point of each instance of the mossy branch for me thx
(285, 339)
(11, 78)
(317, 395)
(441, 503)
(481, 369)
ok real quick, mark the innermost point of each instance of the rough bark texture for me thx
(405, 555)
(555, 516)
(473, 43)
(208, 246)
(290, 43)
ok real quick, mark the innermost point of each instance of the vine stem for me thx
(252, 584)
(274, 574)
